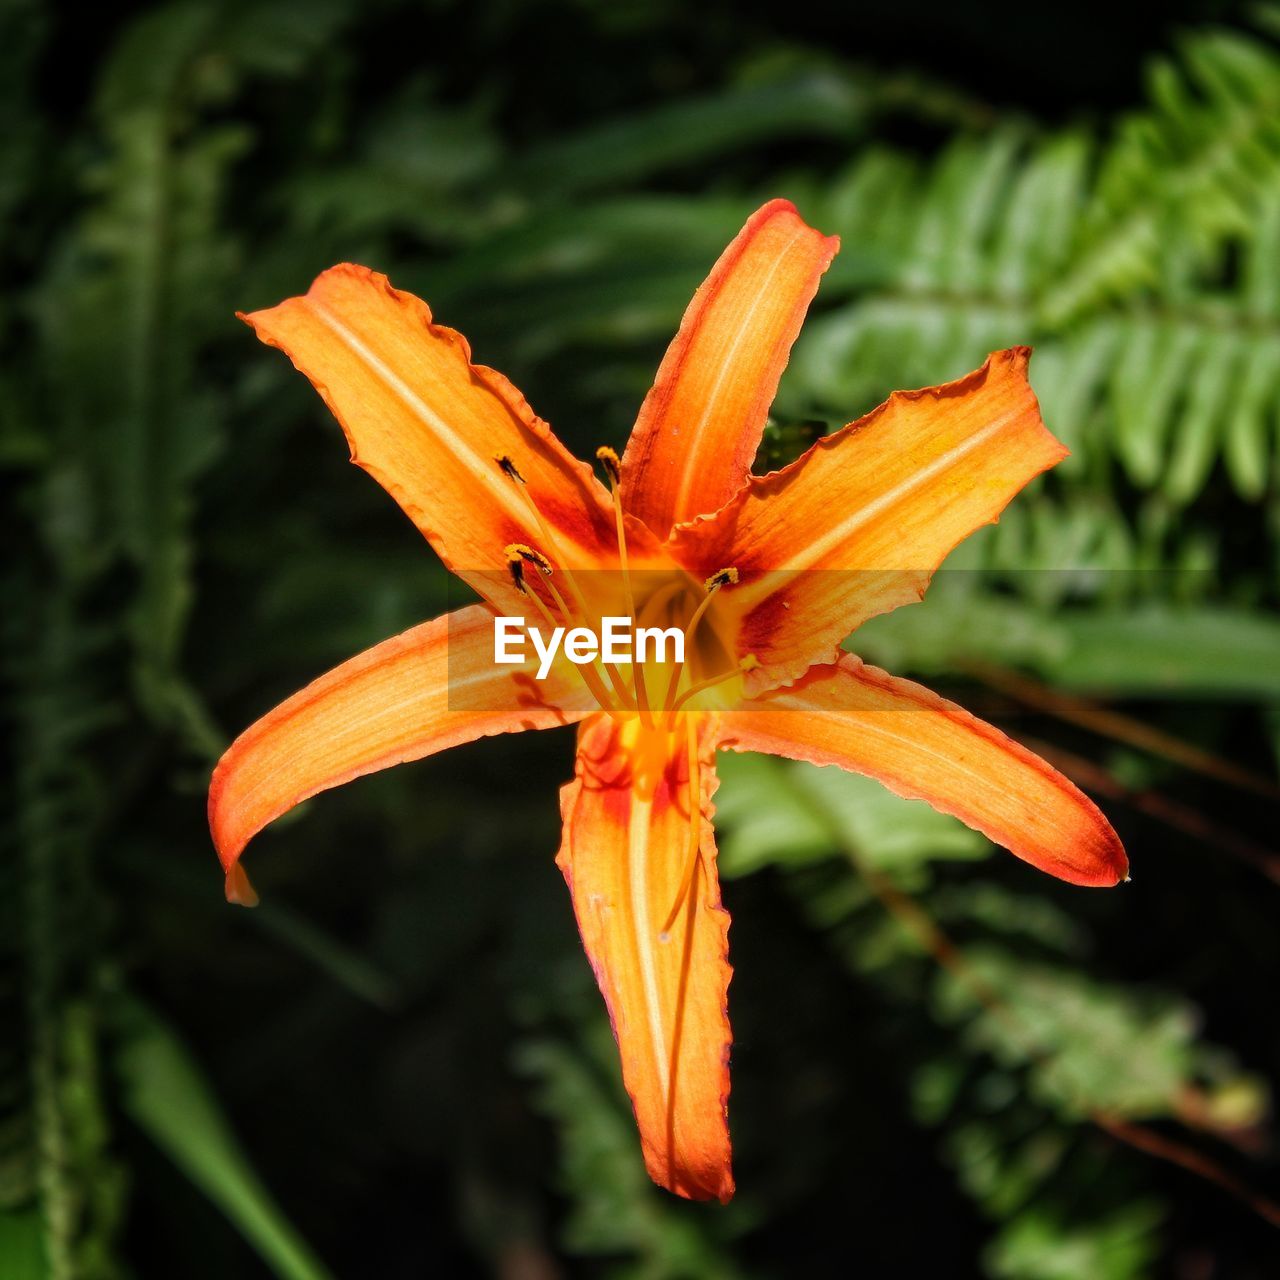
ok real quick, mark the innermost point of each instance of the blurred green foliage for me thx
(405, 1043)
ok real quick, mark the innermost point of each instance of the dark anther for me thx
(508, 467)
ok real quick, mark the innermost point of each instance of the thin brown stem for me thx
(1119, 727)
(948, 954)
(1170, 812)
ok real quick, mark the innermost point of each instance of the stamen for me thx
(518, 555)
(642, 695)
(609, 461)
(726, 577)
(508, 467)
(749, 663)
(695, 831)
(528, 555)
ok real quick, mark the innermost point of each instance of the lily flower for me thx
(763, 576)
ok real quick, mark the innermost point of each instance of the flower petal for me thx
(858, 525)
(700, 425)
(626, 849)
(925, 748)
(433, 687)
(427, 424)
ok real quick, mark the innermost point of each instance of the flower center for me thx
(698, 674)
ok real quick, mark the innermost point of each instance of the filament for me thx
(749, 663)
(517, 556)
(609, 460)
(509, 468)
(695, 829)
(713, 584)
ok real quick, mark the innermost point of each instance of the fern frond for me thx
(1194, 169)
(1143, 268)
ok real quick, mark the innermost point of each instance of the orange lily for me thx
(765, 576)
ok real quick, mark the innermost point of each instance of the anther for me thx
(725, 578)
(518, 556)
(608, 459)
(508, 467)
(527, 555)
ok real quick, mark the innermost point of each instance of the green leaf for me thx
(616, 1208)
(686, 132)
(792, 814)
(1165, 651)
(21, 1245)
(1149, 650)
(1088, 1047)
(1038, 1245)
(166, 1094)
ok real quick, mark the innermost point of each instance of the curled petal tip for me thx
(924, 748)
(1118, 863)
(238, 889)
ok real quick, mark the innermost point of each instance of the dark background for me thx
(400, 1058)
